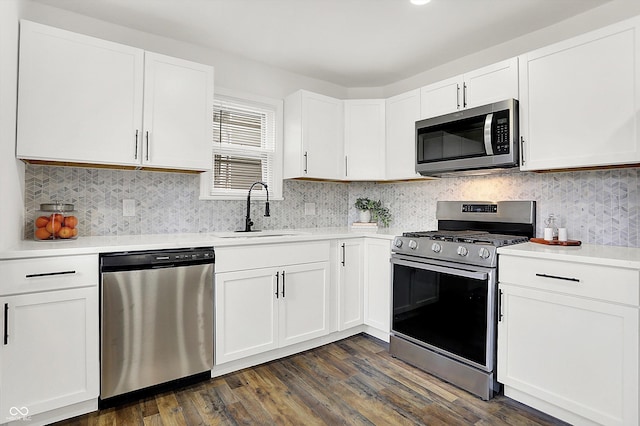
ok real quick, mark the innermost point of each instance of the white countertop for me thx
(93, 245)
(621, 257)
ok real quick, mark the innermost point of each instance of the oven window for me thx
(442, 310)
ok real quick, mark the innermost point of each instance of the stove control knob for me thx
(436, 248)
(413, 245)
(462, 251)
(484, 253)
(398, 243)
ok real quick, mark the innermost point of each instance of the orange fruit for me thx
(71, 221)
(53, 227)
(42, 234)
(74, 232)
(65, 232)
(42, 221)
(57, 217)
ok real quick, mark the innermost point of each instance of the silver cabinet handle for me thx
(500, 305)
(556, 277)
(522, 149)
(49, 274)
(346, 166)
(457, 96)
(343, 255)
(306, 162)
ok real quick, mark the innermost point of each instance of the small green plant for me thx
(378, 211)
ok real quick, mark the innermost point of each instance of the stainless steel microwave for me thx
(473, 140)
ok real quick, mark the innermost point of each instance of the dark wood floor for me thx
(354, 381)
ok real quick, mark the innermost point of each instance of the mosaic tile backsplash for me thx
(597, 207)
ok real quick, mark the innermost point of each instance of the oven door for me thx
(448, 309)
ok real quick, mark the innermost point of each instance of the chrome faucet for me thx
(248, 222)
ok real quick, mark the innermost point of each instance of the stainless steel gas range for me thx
(444, 297)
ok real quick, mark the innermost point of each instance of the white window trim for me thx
(275, 189)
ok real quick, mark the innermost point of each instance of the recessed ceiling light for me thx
(420, 2)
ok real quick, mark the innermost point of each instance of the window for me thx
(246, 148)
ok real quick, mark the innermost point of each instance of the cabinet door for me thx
(313, 136)
(245, 314)
(178, 113)
(364, 137)
(322, 134)
(49, 358)
(304, 302)
(350, 284)
(441, 98)
(493, 83)
(377, 290)
(569, 352)
(80, 98)
(402, 112)
(579, 100)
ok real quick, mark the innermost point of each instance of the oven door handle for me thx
(450, 271)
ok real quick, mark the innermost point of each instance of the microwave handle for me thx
(488, 124)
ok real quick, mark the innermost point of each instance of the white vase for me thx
(365, 216)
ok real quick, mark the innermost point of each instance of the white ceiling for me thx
(352, 43)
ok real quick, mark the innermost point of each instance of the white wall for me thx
(11, 170)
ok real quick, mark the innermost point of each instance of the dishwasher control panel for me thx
(148, 259)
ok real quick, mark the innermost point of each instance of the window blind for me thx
(243, 145)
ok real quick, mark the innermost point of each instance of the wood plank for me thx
(170, 410)
(352, 382)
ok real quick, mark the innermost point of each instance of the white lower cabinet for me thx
(564, 348)
(49, 352)
(257, 310)
(377, 289)
(350, 283)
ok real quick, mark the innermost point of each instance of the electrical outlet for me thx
(309, 209)
(128, 208)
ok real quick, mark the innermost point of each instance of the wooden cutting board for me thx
(556, 242)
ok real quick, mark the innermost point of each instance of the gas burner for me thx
(470, 237)
(498, 240)
(443, 235)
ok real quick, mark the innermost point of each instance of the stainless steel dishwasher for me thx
(156, 318)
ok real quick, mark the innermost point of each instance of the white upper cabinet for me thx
(81, 100)
(402, 112)
(442, 97)
(579, 101)
(178, 113)
(486, 85)
(364, 139)
(313, 136)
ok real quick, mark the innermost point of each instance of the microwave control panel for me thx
(501, 132)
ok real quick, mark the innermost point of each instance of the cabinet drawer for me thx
(579, 279)
(48, 273)
(273, 255)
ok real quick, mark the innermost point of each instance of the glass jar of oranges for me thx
(56, 221)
